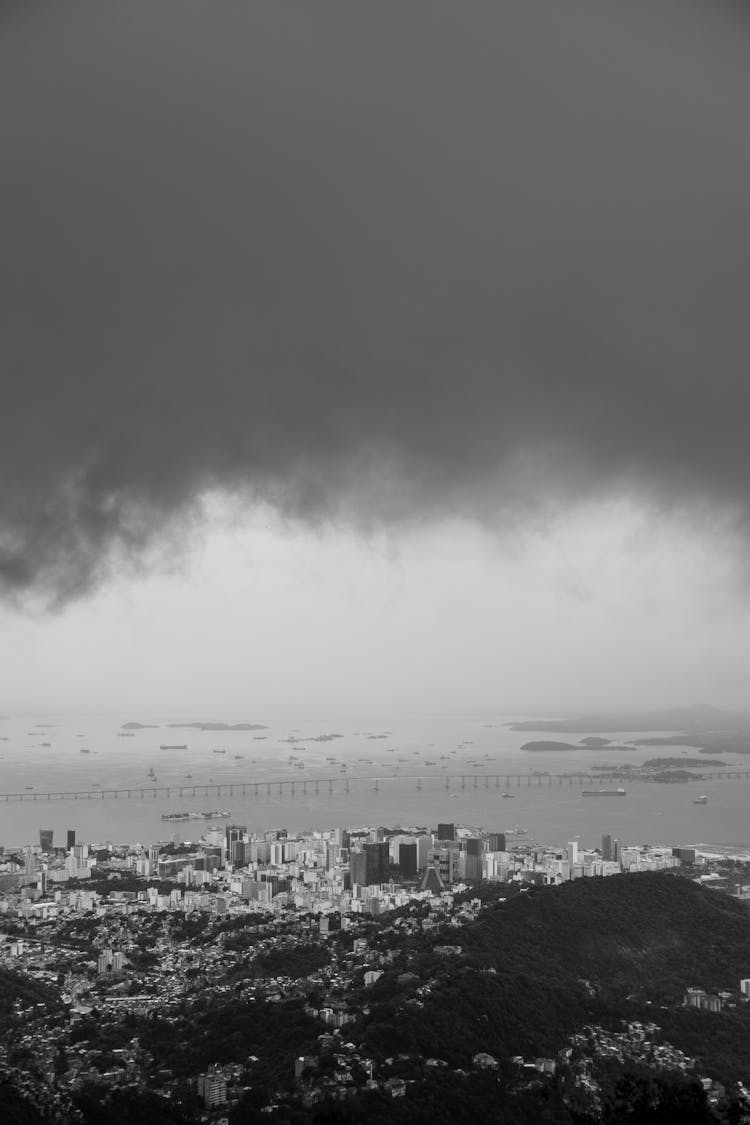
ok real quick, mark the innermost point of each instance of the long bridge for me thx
(307, 786)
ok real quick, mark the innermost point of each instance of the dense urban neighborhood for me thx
(362, 973)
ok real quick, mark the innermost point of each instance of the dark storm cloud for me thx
(372, 260)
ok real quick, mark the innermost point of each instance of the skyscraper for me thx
(234, 833)
(358, 868)
(446, 831)
(606, 848)
(407, 860)
(496, 842)
(377, 859)
(71, 842)
(45, 839)
(473, 859)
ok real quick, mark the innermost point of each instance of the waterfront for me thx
(398, 751)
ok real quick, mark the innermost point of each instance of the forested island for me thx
(544, 747)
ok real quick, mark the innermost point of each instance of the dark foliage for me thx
(229, 1031)
(14, 986)
(538, 968)
(15, 1109)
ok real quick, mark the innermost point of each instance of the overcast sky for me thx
(374, 357)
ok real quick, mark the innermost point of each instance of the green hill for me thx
(543, 965)
(15, 986)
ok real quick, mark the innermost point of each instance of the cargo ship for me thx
(702, 800)
(618, 792)
(168, 746)
(212, 815)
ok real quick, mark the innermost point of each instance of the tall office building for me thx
(607, 848)
(446, 831)
(71, 841)
(572, 851)
(237, 855)
(496, 842)
(473, 859)
(424, 844)
(369, 866)
(358, 868)
(377, 858)
(234, 832)
(407, 860)
(45, 839)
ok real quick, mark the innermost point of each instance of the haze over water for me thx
(396, 751)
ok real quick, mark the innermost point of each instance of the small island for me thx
(679, 763)
(218, 726)
(542, 747)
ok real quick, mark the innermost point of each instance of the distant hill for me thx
(219, 726)
(543, 965)
(603, 744)
(700, 718)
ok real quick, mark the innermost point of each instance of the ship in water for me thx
(702, 800)
(618, 792)
(173, 746)
(212, 815)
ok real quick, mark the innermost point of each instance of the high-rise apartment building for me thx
(110, 962)
(212, 1087)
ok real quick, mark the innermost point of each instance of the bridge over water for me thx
(297, 786)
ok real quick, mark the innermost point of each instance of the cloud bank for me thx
(365, 261)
